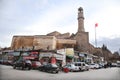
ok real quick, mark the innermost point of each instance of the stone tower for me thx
(80, 20)
(82, 37)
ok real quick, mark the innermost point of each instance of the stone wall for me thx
(82, 41)
(44, 42)
(65, 43)
(41, 42)
(22, 42)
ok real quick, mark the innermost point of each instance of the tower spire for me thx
(80, 20)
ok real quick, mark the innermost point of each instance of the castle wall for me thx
(22, 42)
(65, 43)
(44, 42)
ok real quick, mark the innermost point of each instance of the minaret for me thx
(82, 37)
(80, 20)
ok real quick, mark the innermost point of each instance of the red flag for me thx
(96, 25)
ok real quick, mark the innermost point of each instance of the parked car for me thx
(71, 67)
(101, 65)
(10, 62)
(94, 66)
(22, 64)
(118, 63)
(81, 65)
(1, 61)
(86, 66)
(113, 65)
(53, 68)
(5, 62)
(36, 64)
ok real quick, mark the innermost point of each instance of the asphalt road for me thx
(8, 73)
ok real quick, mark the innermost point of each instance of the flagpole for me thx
(96, 25)
(95, 37)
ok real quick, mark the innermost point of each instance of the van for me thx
(81, 65)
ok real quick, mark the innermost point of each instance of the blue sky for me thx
(39, 17)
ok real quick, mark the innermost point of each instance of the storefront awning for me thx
(67, 56)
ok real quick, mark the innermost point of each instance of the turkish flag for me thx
(96, 25)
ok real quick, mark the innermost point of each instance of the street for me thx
(8, 73)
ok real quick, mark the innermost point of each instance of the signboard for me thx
(70, 52)
(16, 53)
(81, 54)
(29, 57)
(61, 51)
(59, 57)
(45, 54)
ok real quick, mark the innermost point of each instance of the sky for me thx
(39, 17)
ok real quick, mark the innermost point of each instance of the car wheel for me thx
(22, 68)
(71, 70)
(40, 69)
(29, 68)
(14, 67)
(53, 71)
(57, 71)
(80, 69)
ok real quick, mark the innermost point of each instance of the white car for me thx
(81, 65)
(94, 66)
(71, 67)
(86, 67)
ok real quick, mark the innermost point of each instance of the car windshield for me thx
(72, 65)
(54, 65)
(77, 64)
(38, 63)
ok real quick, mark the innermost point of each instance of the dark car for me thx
(53, 68)
(23, 64)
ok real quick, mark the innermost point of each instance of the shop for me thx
(50, 57)
(69, 55)
(31, 55)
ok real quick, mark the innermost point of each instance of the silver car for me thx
(71, 67)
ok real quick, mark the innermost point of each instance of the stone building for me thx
(41, 42)
(56, 40)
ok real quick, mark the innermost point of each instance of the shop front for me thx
(69, 55)
(50, 57)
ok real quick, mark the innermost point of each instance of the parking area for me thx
(8, 73)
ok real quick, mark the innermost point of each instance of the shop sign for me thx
(45, 54)
(59, 57)
(82, 55)
(70, 52)
(29, 57)
(61, 51)
(16, 53)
